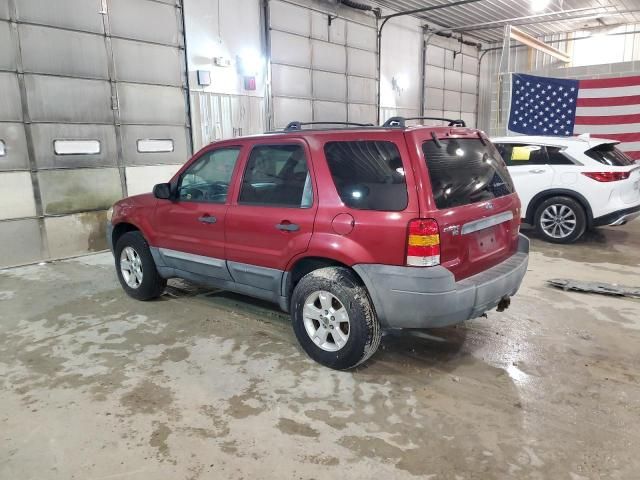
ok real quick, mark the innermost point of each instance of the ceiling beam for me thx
(522, 37)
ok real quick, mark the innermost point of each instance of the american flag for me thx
(605, 108)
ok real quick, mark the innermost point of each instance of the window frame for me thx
(200, 158)
(279, 143)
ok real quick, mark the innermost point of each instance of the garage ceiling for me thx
(485, 19)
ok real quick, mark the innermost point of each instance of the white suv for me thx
(567, 185)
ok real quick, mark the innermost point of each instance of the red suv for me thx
(353, 230)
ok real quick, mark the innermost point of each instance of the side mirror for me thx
(162, 191)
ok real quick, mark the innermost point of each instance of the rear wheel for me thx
(560, 220)
(136, 269)
(333, 318)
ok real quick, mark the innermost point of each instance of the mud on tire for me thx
(364, 329)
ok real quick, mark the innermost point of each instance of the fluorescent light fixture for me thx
(153, 145)
(539, 5)
(76, 147)
(3, 150)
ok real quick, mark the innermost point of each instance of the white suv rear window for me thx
(608, 154)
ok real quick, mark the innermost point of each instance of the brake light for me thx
(423, 243)
(607, 176)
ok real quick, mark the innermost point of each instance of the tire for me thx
(347, 344)
(560, 220)
(152, 284)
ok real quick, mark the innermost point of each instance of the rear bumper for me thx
(409, 297)
(619, 217)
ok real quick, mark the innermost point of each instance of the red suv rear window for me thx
(465, 171)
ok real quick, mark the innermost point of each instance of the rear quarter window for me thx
(369, 175)
(465, 171)
(608, 154)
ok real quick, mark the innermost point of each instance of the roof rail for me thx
(402, 121)
(293, 126)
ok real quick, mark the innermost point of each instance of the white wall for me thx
(227, 29)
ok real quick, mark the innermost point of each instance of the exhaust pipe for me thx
(503, 304)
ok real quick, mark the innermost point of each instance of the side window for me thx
(208, 179)
(556, 157)
(368, 175)
(515, 154)
(277, 175)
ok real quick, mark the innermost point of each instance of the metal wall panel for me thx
(75, 234)
(338, 31)
(62, 52)
(44, 134)
(361, 62)
(290, 49)
(17, 195)
(15, 143)
(319, 26)
(73, 14)
(147, 63)
(328, 56)
(288, 80)
(144, 20)
(21, 242)
(142, 179)
(10, 105)
(329, 86)
(287, 109)
(362, 90)
(335, 50)
(362, 113)
(71, 191)
(55, 99)
(151, 104)
(290, 18)
(360, 36)
(132, 133)
(7, 48)
(330, 111)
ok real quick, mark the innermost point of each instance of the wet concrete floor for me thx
(202, 384)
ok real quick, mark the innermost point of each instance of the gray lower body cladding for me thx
(410, 297)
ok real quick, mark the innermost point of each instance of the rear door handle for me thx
(288, 227)
(537, 170)
(207, 219)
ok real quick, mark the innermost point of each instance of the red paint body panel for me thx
(247, 234)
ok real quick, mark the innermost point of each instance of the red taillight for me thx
(423, 243)
(607, 176)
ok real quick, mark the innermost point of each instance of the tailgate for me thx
(475, 202)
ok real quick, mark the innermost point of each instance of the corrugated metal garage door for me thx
(92, 108)
(321, 69)
(451, 81)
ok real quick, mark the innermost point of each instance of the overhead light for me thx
(250, 63)
(539, 5)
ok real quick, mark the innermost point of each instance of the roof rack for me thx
(402, 121)
(294, 126)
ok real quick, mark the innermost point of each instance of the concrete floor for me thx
(94, 385)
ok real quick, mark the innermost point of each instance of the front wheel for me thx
(136, 269)
(334, 319)
(560, 220)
